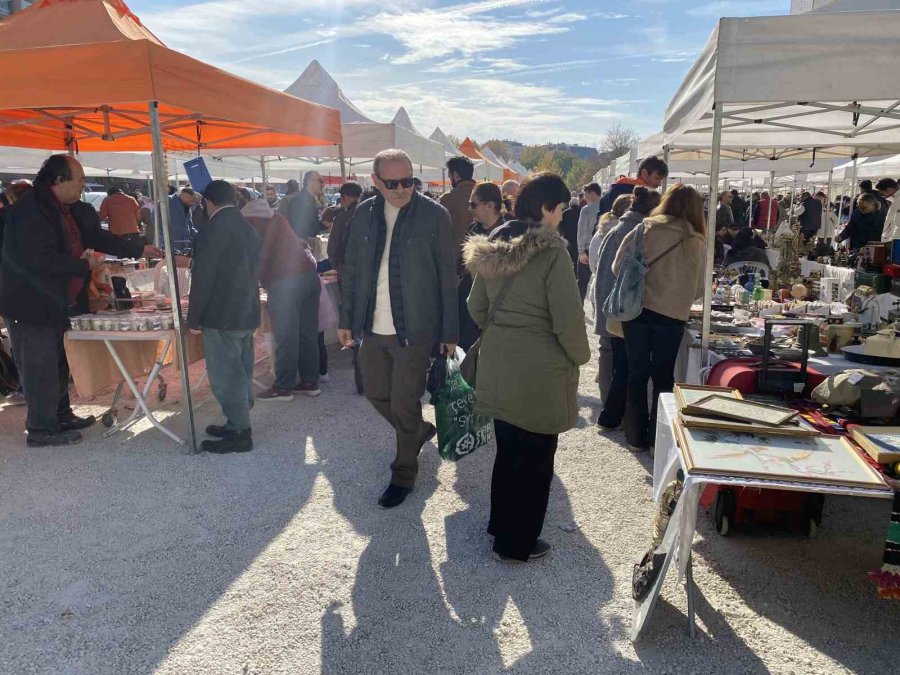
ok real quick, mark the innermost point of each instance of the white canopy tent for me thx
(789, 86)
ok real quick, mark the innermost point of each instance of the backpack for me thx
(626, 299)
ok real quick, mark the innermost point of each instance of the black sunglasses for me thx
(392, 184)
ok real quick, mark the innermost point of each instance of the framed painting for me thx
(829, 460)
(688, 394)
(743, 411)
(794, 427)
(881, 443)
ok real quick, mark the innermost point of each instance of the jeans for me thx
(229, 363)
(40, 358)
(394, 382)
(652, 342)
(615, 399)
(520, 488)
(294, 308)
(583, 274)
(605, 365)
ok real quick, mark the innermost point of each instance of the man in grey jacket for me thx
(398, 294)
(302, 212)
(587, 223)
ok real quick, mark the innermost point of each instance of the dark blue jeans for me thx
(229, 363)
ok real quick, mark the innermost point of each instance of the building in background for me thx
(7, 7)
(807, 6)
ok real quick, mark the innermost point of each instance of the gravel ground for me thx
(123, 556)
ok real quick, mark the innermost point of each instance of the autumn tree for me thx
(619, 139)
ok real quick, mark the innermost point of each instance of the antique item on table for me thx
(799, 291)
(816, 459)
(839, 336)
(741, 410)
(864, 303)
(883, 343)
(881, 283)
(688, 394)
(844, 388)
(873, 256)
(794, 427)
(881, 443)
(856, 353)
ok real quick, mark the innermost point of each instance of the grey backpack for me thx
(626, 299)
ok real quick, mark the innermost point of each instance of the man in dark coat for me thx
(224, 307)
(809, 215)
(46, 275)
(303, 213)
(399, 294)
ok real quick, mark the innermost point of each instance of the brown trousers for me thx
(394, 382)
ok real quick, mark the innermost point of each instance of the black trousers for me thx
(323, 355)
(43, 373)
(520, 488)
(614, 404)
(651, 345)
(583, 273)
(469, 331)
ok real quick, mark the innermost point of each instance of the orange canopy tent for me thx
(82, 75)
(494, 172)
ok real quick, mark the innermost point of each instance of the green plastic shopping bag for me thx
(461, 431)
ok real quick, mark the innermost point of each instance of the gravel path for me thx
(124, 556)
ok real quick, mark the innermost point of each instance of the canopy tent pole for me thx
(711, 232)
(265, 173)
(665, 182)
(343, 164)
(828, 197)
(853, 176)
(771, 201)
(159, 184)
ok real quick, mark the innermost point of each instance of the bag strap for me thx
(498, 301)
(666, 252)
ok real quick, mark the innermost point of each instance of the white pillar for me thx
(162, 220)
(711, 232)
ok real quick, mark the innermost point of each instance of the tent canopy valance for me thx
(792, 81)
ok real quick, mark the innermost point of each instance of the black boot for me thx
(393, 496)
(240, 441)
(46, 439)
(220, 431)
(72, 422)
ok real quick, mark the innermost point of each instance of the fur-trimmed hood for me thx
(497, 256)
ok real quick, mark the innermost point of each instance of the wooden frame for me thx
(751, 412)
(881, 452)
(687, 394)
(753, 444)
(792, 428)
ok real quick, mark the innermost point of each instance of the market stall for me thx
(795, 312)
(162, 100)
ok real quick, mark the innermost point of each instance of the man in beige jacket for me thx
(460, 169)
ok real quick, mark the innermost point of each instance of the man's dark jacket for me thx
(225, 274)
(303, 214)
(340, 235)
(37, 260)
(568, 228)
(422, 263)
(811, 218)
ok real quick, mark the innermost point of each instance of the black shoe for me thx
(393, 496)
(72, 422)
(44, 439)
(220, 431)
(430, 432)
(540, 549)
(240, 441)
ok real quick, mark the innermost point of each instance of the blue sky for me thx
(533, 70)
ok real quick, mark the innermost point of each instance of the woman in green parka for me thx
(528, 360)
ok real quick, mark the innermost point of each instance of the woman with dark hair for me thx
(613, 362)
(674, 245)
(526, 301)
(744, 249)
(486, 206)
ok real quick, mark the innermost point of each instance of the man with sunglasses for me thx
(303, 213)
(398, 294)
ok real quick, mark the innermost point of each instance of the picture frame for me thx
(741, 410)
(823, 460)
(688, 394)
(794, 427)
(881, 443)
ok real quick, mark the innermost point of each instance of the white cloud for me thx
(569, 17)
(720, 8)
